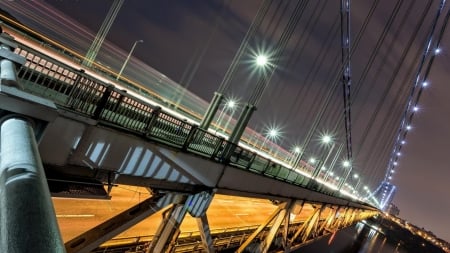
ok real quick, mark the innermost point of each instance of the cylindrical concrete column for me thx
(27, 217)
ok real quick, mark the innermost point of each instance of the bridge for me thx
(93, 139)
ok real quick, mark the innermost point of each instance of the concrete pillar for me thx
(27, 217)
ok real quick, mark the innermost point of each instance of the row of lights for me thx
(273, 133)
(403, 131)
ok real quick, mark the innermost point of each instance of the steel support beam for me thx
(303, 227)
(169, 229)
(279, 213)
(283, 215)
(205, 234)
(200, 204)
(325, 226)
(27, 217)
(105, 231)
(312, 224)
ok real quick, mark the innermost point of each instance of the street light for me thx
(273, 133)
(230, 104)
(326, 140)
(261, 60)
(356, 176)
(296, 150)
(128, 58)
(345, 164)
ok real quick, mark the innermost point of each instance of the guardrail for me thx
(223, 239)
(78, 92)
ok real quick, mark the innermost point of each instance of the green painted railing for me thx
(76, 91)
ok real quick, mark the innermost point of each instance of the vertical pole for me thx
(205, 233)
(27, 218)
(238, 130)
(212, 110)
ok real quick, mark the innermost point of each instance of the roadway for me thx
(76, 216)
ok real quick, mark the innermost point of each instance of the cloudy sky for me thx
(193, 43)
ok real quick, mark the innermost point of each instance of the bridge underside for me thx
(135, 219)
(97, 160)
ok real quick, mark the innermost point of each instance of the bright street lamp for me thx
(128, 58)
(272, 134)
(261, 60)
(356, 176)
(345, 164)
(230, 104)
(326, 140)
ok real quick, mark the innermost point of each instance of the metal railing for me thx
(74, 90)
(223, 239)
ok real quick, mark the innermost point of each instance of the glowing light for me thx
(437, 50)
(399, 154)
(346, 164)
(231, 103)
(261, 60)
(403, 142)
(326, 139)
(312, 160)
(408, 127)
(425, 84)
(415, 108)
(297, 149)
(355, 175)
(392, 171)
(395, 163)
(273, 133)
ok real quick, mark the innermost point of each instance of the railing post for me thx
(153, 119)
(102, 102)
(218, 148)
(190, 137)
(250, 162)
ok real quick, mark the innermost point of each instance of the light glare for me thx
(261, 60)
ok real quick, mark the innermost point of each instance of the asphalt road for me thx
(225, 212)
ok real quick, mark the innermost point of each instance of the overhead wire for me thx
(278, 50)
(229, 74)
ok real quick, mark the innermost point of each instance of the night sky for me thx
(193, 43)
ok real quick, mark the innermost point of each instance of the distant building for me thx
(393, 210)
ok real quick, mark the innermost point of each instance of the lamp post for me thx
(230, 105)
(272, 134)
(128, 58)
(295, 156)
(345, 164)
(326, 140)
(356, 176)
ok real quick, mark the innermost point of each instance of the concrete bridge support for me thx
(27, 218)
